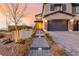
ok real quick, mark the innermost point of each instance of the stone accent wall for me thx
(70, 25)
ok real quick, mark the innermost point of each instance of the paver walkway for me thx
(39, 46)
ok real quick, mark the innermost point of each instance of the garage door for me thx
(76, 26)
(57, 25)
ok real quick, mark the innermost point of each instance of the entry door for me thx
(58, 25)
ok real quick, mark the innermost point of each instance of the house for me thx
(60, 17)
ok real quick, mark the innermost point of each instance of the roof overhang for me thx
(55, 13)
(38, 21)
(59, 12)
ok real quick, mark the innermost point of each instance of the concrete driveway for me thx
(67, 40)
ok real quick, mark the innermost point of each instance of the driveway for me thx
(67, 40)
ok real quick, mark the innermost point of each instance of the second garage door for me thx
(76, 26)
(58, 25)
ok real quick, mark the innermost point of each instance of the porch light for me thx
(71, 20)
(45, 20)
(39, 49)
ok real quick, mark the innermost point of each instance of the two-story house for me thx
(60, 17)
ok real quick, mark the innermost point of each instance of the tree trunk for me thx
(17, 38)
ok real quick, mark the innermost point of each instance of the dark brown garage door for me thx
(58, 25)
(76, 26)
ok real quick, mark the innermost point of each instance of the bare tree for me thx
(14, 12)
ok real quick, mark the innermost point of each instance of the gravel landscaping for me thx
(23, 33)
(11, 48)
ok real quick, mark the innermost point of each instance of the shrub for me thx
(22, 50)
(49, 38)
(1, 35)
(59, 52)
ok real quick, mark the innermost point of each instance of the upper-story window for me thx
(75, 8)
(63, 7)
(55, 7)
(52, 7)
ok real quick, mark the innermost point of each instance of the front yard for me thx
(13, 49)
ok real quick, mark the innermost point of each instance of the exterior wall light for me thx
(39, 49)
(45, 20)
(71, 20)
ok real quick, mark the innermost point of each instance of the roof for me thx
(59, 12)
(55, 13)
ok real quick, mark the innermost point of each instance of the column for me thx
(70, 24)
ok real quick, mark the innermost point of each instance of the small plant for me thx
(59, 52)
(49, 38)
(22, 50)
(1, 35)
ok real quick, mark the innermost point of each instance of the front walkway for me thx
(39, 46)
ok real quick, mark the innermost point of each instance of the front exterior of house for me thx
(60, 17)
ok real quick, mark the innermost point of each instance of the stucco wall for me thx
(59, 16)
(47, 8)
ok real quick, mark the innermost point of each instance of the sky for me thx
(31, 11)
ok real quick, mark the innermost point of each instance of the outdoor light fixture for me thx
(45, 20)
(71, 20)
(39, 49)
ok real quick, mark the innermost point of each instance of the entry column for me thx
(70, 24)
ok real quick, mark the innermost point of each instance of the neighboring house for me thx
(60, 17)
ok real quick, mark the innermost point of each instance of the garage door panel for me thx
(76, 26)
(57, 26)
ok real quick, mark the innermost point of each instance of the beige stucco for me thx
(68, 10)
(59, 16)
(47, 9)
(76, 17)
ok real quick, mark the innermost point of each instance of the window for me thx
(63, 7)
(52, 7)
(77, 9)
(57, 7)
